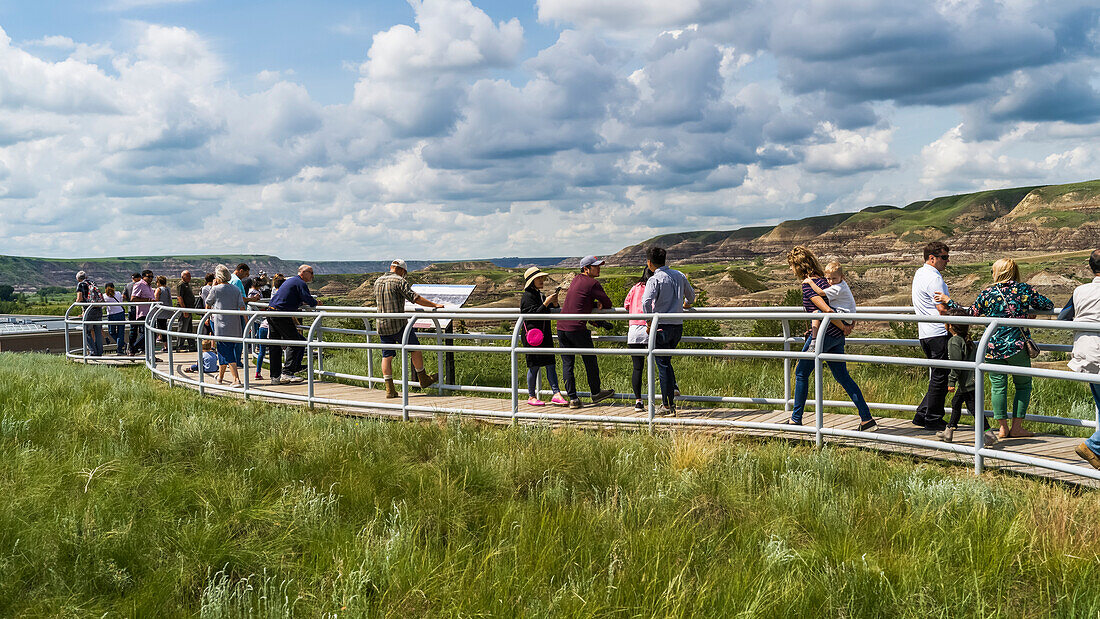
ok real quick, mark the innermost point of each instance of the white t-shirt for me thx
(1086, 344)
(114, 309)
(927, 282)
(839, 297)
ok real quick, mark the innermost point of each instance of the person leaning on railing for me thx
(537, 334)
(804, 264)
(291, 295)
(93, 334)
(1085, 306)
(390, 293)
(584, 295)
(667, 292)
(142, 291)
(115, 313)
(226, 296)
(1007, 298)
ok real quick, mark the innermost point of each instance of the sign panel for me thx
(450, 295)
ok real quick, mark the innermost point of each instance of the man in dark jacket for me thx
(585, 294)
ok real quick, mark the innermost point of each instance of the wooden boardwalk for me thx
(373, 402)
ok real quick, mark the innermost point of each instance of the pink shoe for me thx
(535, 402)
(557, 400)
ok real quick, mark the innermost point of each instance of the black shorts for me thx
(395, 338)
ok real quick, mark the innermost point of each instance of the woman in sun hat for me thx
(537, 333)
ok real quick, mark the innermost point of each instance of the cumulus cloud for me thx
(640, 118)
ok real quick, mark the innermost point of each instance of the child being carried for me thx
(838, 295)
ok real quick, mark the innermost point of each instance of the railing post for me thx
(651, 370)
(244, 349)
(313, 328)
(819, 385)
(405, 368)
(68, 345)
(786, 366)
(168, 349)
(198, 341)
(515, 370)
(370, 353)
(979, 397)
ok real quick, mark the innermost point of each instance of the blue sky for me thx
(458, 129)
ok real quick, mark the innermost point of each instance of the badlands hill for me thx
(1024, 219)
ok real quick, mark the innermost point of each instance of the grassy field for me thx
(125, 498)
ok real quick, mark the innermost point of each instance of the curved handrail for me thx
(720, 348)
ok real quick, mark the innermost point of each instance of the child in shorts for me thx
(838, 295)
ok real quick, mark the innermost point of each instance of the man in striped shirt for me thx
(390, 293)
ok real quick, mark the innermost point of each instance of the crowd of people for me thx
(659, 289)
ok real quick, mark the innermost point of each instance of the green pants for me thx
(1021, 398)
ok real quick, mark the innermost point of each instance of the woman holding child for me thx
(808, 270)
(1007, 298)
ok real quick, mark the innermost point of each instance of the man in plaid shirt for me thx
(390, 293)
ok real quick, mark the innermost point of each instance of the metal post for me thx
(979, 398)
(786, 366)
(168, 348)
(515, 369)
(244, 347)
(651, 371)
(819, 385)
(198, 334)
(68, 346)
(313, 328)
(405, 368)
(370, 353)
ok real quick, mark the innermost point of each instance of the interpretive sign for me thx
(451, 296)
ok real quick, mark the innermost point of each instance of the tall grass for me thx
(124, 497)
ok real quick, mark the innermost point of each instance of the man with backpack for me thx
(86, 292)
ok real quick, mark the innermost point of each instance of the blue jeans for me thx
(668, 337)
(805, 368)
(533, 379)
(93, 339)
(117, 332)
(261, 350)
(1094, 441)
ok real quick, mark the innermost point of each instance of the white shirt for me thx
(114, 309)
(927, 282)
(839, 297)
(1086, 344)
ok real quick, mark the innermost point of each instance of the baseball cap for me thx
(399, 263)
(590, 261)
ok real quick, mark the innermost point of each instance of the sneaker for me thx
(535, 402)
(665, 411)
(1089, 456)
(603, 395)
(557, 400)
(868, 426)
(991, 438)
(236, 386)
(257, 376)
(290, 379)
(946, 435)
(790, 422)
(575, 403)
(638, 406)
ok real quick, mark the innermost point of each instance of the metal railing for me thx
(316, 324)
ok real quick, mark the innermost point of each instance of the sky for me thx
(451, 129)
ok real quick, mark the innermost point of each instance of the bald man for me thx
(293, 294)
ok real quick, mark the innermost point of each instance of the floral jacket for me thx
(1009, 300)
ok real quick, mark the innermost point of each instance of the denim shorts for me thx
(396, 339)
(229, 352)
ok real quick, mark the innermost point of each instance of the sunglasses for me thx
(944, 257)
